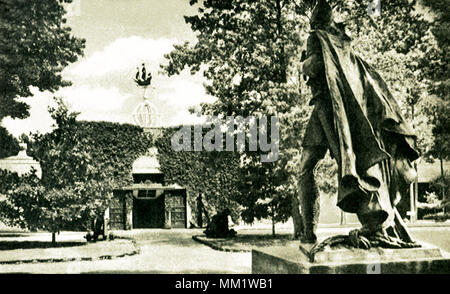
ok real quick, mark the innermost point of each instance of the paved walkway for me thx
(162, 251)
(174, 251)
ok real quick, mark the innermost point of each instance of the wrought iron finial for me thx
(143, 79)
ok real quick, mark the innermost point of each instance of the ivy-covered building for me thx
(148, 202)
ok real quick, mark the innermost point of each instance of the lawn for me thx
(44, 251)
(246, 242)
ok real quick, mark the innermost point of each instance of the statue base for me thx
(294, 260)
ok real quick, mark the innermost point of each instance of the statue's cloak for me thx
(367, 120)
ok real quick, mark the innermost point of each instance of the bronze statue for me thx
(355, 117)
(218, 227)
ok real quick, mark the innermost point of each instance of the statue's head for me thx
(322, 15)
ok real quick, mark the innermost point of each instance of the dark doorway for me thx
(148, 213)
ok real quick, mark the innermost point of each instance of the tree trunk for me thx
(416, 181)
(53, 238)
(443, 187)
(273, 221)
(343, 220)
(296, 218)
(282, 58)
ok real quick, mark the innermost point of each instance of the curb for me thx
(217, 247)
(136, 251)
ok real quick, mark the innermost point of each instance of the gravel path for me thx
(162, 251)
(174, 251)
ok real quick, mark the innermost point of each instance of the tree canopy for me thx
(82, 163)
(246, 50)
(249, 52)
(35, 46)
(212, 177)
(9, 145)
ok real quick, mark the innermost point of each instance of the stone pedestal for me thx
(293, 260)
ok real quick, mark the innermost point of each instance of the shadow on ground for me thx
(12, 245)
(13, 235)
(245, 242)
(190, 271)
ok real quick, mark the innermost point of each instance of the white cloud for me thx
(103, 88)
(123, 53)
(93, 104)
(185, 91)
(96, 104)
(99, 99)
(185, 118)
(39, 119)
(114, 67)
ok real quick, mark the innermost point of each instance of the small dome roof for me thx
(147, 164)
(21, 163)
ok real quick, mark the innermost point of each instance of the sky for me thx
(120, 35)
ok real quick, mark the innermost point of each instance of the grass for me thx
(246, 242)
(13, 245)
(438, 217)
(35, 251)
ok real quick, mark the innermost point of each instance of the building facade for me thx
(148, 203)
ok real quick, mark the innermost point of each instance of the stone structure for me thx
(21, 163)
(288, 260)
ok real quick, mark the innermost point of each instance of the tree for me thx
(249, 52)
(9, 146)
(416, 33)
(398, 44)
(262, 193)
(97, 154)
(439, 108)
(35, 46)
(439, 71)
(211, 178)
(245, 49)
(30, 205)
(82, 163)
(7, 179)
(440, 112)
